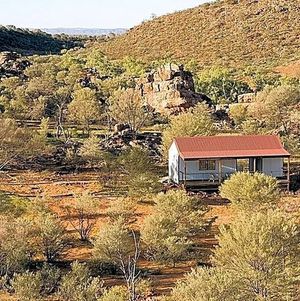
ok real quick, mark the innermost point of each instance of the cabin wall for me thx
(173, 163)
(273, 167)
(193, 171)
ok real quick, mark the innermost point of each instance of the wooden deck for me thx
(204, 185)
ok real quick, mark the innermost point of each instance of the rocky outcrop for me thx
(12, 64)
(170, 90)
(124, 139)
(246, 98)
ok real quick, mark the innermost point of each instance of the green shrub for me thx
(28, 286)
(50, 279)
(116, 293)
(168, 232)
(251, 191)
(79, 285)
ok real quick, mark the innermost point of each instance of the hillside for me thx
(25, 41)
(229, 32)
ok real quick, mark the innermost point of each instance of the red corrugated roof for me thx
(230, 147)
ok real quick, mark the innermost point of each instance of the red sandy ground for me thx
(291, 70)
(56, 190)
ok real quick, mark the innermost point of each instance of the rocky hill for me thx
(234, 33)
(25, 41)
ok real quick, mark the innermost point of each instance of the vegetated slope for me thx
(233, 33)
(84, 31)
(32, 42)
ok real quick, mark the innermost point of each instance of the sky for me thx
(86, 13)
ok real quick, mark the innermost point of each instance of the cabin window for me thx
(207, 165)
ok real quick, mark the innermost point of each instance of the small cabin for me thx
(205, 162)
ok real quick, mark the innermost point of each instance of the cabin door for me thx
(255, 164)
(259, 164)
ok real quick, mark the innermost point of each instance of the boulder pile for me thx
(12, 64)
(123, 139)
(170, 90)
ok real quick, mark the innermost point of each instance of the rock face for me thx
(170, 90)
(12, 64)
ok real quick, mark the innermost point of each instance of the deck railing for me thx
(214, 176)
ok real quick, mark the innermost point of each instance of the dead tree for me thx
(128, 267)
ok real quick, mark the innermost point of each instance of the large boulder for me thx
(170, 90)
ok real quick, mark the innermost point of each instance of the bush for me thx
(123, 208)
(50, 279)
(90, 151)
(51, 239)
(27, 286)
(15, 245)
(167, 233)
(238, 112)
(11, 205)
(220, 84)
(84, 209)
(257, 259)
(251, 192)
(261, 252)
(78, 285)
(196, 122)
(140, 172)
(113, 243)
(212, 284)
(116, 293)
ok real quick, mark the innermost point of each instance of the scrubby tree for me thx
(50, 235)
(220, 84)
(82, 214)
(112, 243)
(79, 285)
(90, 151)
(168, 232)
(275, 111)
(261, 251)
(133, 67)
(44, 128)
(140, 172)
(276, 106)
(196, 122)
(205, 284)
(16, 247)
(252, 126)
(257, 259)
(116, 244)
(97, 59)
(251, 191)
(84, 107)
(61, 99)
(18, 142)
(238, 113)
(124, 208)
(128, 107)
(28, 286)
